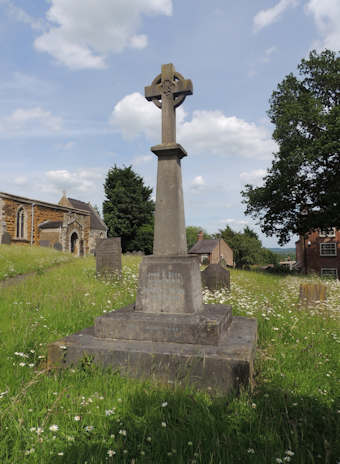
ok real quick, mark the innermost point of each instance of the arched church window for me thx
(21, 223)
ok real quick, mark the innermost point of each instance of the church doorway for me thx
(75, 244)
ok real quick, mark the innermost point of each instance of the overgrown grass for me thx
(15, 260)
(84, 415)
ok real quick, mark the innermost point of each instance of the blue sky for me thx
(72, 77)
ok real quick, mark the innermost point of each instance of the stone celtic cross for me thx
(167, 91)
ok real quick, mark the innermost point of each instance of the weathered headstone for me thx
(311, 294)
(169, 334)
(108, 256)
(6, 239)
(58, 246)
(44, 243)
(215, 277)
(81, 248)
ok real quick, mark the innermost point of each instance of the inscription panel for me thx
(169, 285)
(166, 289)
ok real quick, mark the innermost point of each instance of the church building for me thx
(71, 225)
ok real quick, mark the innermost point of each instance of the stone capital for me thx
(169, 149)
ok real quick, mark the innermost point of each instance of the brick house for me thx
(319, 252)
(212, 251)
(71, 225)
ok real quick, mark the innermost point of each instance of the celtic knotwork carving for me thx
(168, 88)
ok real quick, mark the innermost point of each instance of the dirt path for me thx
(21, 277)
(16, 279)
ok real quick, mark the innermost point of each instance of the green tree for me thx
(192, 232)
(301, 189)
(143, 240)
(227, 234)
(247, 247)
(128, 209)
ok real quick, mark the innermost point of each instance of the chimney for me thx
(200, 235)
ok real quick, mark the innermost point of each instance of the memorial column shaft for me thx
(169, 233)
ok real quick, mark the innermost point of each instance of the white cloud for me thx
(266, 17)
(268, 53)
(237, 224)
(198, 184)
(133, 115)
(20, 15)
(66, 146)
(21, 85)
(83, 184)
(29, 120)
(21, 180)
(253, 177)
(142, 159)
(326, 15)
(212, 132)
(82, 33)
(209, 132)
(73, 182)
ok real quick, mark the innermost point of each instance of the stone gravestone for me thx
(215, 277)
(311, 294)
(169, 334)
(6, 239)
(108, 256)
(58, 246)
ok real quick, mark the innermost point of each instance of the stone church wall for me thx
(72, 221)
(94, 234)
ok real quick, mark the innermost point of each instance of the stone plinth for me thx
(216, 368)
(169, 284)
(215, 277)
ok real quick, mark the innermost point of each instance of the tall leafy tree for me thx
(128, 209)
(301, 189)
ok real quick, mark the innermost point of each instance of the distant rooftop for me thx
(204, 246)
(95, 221)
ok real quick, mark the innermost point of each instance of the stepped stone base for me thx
(218, 367)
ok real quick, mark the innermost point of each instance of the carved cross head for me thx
(169, 85)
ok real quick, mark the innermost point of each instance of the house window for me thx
(325, 233)
(329, 272)
(21, 223)
(328, 249)
(205, 259)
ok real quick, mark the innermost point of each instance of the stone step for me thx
(204, 328)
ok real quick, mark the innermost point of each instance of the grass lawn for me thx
(84, 415)
(15, 260)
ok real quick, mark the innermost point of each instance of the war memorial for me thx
(168, 335)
